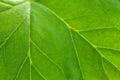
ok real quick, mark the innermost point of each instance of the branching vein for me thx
(10, 35)
(43, 53)
(20, 68)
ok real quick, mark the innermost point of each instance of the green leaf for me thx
(46, 40)
(86, 14)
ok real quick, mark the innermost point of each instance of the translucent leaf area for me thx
(59, 40)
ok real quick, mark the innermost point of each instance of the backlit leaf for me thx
(59, 40)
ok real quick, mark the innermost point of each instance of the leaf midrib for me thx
(69, 27)
(28, 54)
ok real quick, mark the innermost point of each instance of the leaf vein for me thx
(77, 55)
(10, 35)
(101, 47)
(20, 68)
(39, 72)
(11, 7)
(94, 46)
(109, 61)
(104, 28)
(43, 53)
(69, 27)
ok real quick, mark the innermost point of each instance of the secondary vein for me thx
(20, 69)
(43, 53)
(39, 72)
(10, 35)
(77, 55)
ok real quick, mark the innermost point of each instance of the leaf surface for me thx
(38, 42)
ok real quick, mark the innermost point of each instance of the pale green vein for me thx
(20, 68)
(30, 40)
(111, 63)
(39, 72)
(75, 31)
(102, 47)
(102, 62)
(78, 17)
(29, 55)
(69, 27)
(104, 67)
(11, 7)
(104, 28)
(108, 60)
(77, 55)
(29, 35)
(94, 46)
(59, 18)
(10, 35)
(43, 53)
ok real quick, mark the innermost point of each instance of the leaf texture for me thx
(44, 40)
